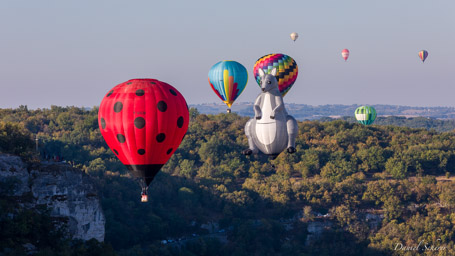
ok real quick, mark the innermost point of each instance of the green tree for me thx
(14, 139)
(396, 167)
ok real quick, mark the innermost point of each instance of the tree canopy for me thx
(349, 188)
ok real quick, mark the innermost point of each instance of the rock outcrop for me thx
(68, 192)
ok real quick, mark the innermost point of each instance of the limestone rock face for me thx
(68, 192)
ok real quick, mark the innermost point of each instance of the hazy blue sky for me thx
(72, 52)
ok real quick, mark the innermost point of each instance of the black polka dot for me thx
(140, 92)
(180, 122)
(139, 122)
(129, 83)
(152, 82)
(141, 151)
(121, 138)
(103, 123)
(172, 92)
(118, 106)
(169, 151)
(115, 152)
(160, 137)
(110, 93)
(162, 106)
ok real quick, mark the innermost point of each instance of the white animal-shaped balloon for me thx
(271, 130)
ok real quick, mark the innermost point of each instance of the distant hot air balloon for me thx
(294, 36)
(365, 115)
(423, 55)
(143, 121)
(228, 80)
(345, 54)
(286, 66)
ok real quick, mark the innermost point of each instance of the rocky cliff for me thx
(68, 192)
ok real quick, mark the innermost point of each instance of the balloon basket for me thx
(144, 197)
(228, 110)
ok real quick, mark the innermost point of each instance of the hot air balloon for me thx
(294, 36)
(271, 130)
(423, 55)
(143, 122)
(287, 70)
(345, 54)
(365, 115)
(228, 80)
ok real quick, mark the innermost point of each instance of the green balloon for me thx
(365, 115)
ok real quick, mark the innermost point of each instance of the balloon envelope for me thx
(423, 55)
(345, 54)
(228, 79)
(365, 115)
(294, 36)
(143, 121)
(286, 66)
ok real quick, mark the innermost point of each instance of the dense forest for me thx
(348, 190)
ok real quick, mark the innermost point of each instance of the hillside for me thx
(349, 190)
(48, 208)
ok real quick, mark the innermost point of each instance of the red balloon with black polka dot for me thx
(143, 121)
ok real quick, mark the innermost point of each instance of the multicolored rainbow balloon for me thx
(286, 66)
(423, 55)
(228, 80)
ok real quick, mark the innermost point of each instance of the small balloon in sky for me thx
(345, 54)
(365, 115)
(423, 55)
(294, 36)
